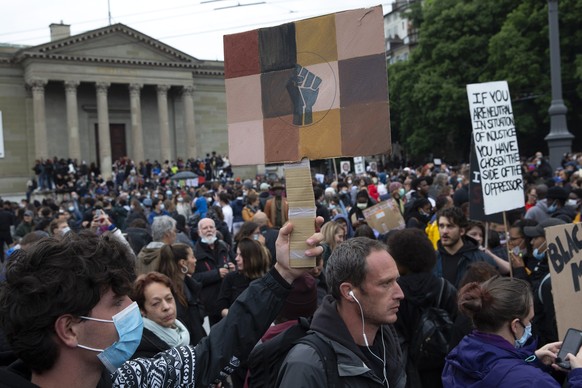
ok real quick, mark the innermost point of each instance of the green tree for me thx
(463, 42)
(519, 53)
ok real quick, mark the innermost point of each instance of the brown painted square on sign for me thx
(281, 140)
(241, 54)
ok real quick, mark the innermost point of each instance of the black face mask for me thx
(424, 217)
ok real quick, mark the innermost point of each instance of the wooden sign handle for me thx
(301, 202)
(507, 244)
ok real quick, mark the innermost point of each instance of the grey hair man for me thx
(213, 262)
(163, 233)
(355, 319)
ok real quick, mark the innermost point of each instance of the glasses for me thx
(515, 238)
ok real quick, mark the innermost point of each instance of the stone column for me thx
(164, 122)
(189, 122)
(73, 120)
(136, 127)
(103, 129)
(38, 108)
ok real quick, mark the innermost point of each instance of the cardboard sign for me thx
(384, 216)
(476, 209)
(565, 260)
(301, 212)
(314, 88)
(496, 146)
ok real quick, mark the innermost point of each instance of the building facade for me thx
(400, 35)
(104, 94)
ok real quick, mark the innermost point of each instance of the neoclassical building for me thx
(103, 94)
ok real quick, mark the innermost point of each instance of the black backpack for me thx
(430, 342)
(266, 359)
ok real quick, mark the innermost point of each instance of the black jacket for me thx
(421, 290)
(150, 345)
(192, 315)
(303, 368)
(467, 254)
(208, 262)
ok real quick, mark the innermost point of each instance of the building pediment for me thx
(115, 44)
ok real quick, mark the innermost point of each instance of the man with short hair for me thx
(456, 251)
(213, 262)
(163, 233)
(65, 310)
(355, 319)
(26, 226)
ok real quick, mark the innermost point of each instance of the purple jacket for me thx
(488, 360)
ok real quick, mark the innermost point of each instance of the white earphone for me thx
(383, 360)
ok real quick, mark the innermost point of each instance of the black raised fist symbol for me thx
(303, 87)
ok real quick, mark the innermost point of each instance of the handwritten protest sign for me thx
(476, 210)
(565, 259)
(496, 146)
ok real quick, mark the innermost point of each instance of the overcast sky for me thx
(195, 27)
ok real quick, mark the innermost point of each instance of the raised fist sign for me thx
(303, 87)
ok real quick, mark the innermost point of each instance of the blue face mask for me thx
(129, 325)
(539, 255)
(552, 208)
(526, 335)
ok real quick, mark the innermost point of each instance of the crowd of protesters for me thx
(219, 232)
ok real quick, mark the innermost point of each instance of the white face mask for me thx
(362, 205)
(572, 203)
(208, 240)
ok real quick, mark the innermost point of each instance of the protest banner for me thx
(565, 259)
(310, 89)
(384, 216)
(496, 146)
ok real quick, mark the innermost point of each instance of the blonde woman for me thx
(333, 234)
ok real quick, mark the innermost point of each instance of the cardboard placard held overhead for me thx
(565, 259)
(310, 89)
(496, 146)
(384, 216)
(314, 88)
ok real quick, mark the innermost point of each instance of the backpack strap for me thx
(327, 356)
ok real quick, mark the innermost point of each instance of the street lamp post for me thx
(559, 139)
